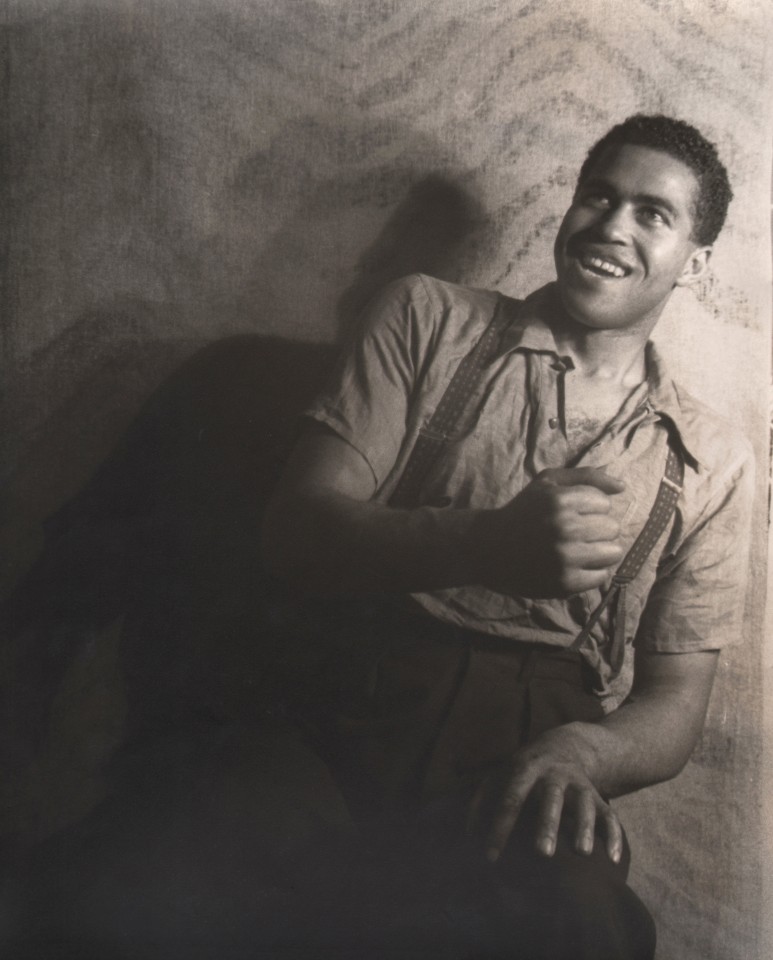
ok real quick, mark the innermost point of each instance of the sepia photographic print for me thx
(385, 464)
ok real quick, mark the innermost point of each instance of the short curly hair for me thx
(683, 142)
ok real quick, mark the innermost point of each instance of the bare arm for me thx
(324, 532)
(580, 766)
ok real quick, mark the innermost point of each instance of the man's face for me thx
(625, 241)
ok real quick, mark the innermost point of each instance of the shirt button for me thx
(553, 423)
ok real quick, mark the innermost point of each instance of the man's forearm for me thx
(327, 542)
(621, 755)
(651, 737)
(324, 531)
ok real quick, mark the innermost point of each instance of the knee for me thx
(570, 906)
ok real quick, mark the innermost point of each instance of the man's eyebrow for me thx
(653, 200)
(649, 199)
(595, 183)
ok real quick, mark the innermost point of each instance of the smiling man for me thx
(549, 535)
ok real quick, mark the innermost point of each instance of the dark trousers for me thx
(416, 729)
(336, 830)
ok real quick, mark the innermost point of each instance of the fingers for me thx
(579, 498)
(614, 831)
(550, 818)
(558, 799)
(506, 814)
(592, 528)
(588, 808)
(565, 519)
(584, 566)
(582, 500)
(585, 831)
(579, 581)
(597, 555)
(595, 477)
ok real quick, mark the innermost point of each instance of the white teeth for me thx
(605, 266)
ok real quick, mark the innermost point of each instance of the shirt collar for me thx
(530, 330)
(663, 400)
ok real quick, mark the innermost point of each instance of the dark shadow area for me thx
(164, 538)
(161, 545)
(158, 556)
(429, 232)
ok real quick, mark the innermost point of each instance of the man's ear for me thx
(696, 267)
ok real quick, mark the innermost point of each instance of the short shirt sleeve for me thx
(366, 400)
(697, 600)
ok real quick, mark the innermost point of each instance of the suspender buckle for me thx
(671, 485)
(433, 435)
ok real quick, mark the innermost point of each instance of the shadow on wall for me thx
(437, 228)
(161, 546)
(99, 369)
(431, 232)
(192, 198)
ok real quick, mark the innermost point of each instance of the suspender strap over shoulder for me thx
(441, 425)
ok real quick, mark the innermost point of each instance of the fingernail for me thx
(547, 847)
(492, 854)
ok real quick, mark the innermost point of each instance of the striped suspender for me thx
(439, 430)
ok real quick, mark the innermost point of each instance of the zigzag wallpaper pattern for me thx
(178, 172)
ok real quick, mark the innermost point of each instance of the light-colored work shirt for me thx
(689, 594)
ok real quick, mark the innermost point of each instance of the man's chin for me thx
(590, 308)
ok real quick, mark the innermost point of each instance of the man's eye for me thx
(652, 215)
(598, 200)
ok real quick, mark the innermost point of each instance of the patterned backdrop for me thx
(179, 172)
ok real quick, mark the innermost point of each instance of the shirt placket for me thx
(551, 448)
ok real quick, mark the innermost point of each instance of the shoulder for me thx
(430, 314)
(447, 311)
(441, 296)
(447, 295)
(719, 446)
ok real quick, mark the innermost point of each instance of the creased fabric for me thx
(689, 594)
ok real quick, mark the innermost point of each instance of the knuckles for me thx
(570, 535)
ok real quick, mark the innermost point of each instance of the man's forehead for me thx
(647, 170)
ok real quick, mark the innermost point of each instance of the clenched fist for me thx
(556, 537)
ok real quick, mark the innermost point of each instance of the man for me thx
(516, 678)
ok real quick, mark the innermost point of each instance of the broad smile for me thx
(602, 266)
(598, 260)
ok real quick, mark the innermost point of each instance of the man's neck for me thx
(605, 355)
(613, 355)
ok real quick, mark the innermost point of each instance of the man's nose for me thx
(615, 224)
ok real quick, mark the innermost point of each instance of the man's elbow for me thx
(673, 765)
